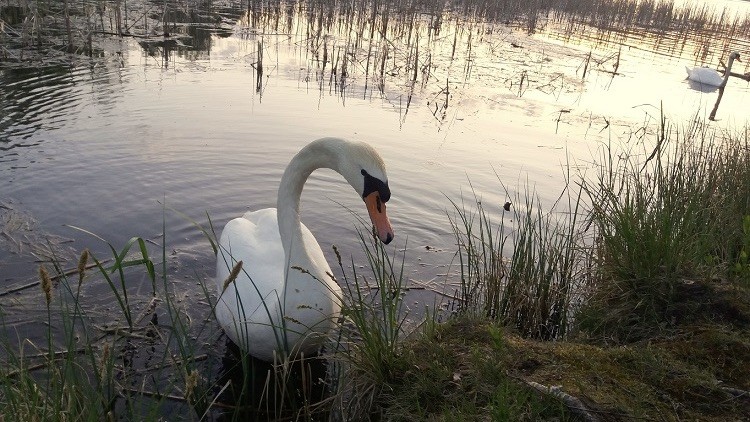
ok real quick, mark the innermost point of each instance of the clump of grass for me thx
(663, 224)
(42, 382)
(90, 366)
(742, 264)
(372, 330)
(532, 289)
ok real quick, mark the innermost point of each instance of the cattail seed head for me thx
(232, 275)
(82, 262)
(46, 283)
(338, 255)
(105, 360)
(191, 381)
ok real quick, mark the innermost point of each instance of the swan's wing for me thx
(253, 239)
(248, 309)
(314, 251)
(705, 76)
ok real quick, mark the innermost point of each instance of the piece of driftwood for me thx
(574, 404)
(736, 392)
(743, 76)
(54, 278)
(712, 116)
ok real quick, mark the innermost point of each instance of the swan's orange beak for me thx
(376, 208)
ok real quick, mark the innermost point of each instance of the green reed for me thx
(68, 375)
(87, 369)
(662, 222)
(522, 275)
(372, 328)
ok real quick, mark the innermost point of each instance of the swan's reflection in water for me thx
(251, 389)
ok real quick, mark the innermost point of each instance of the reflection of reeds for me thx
(259, 69)
(410, 46)
(371, 22)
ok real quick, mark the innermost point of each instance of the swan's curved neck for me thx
(729, 67)
(319, 154)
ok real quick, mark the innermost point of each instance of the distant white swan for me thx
(285, 298)
(709, 77)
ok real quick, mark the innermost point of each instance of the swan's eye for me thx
(373, 184)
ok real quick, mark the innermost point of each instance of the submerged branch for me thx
(573, 403)
(31, 284)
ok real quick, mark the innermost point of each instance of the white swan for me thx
(709, 77)
(272, 306)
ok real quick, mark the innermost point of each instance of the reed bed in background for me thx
(37, 29)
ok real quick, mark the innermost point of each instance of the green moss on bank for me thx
(469, 369)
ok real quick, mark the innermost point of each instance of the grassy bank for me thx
(642, 283)
(470, 369)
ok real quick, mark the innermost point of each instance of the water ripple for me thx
(47, 98)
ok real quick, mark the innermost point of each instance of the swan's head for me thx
(375, 194)
(363, 168)
(735, 56)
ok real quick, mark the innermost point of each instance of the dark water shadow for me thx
(251, 389)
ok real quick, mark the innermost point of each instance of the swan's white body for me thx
(709, 77)
(704, 76)
(285, 299)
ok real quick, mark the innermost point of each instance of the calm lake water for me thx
(201, 125)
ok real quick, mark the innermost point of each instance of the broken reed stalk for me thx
(259, 69)
(67, 26)
(524, 78)
(586, 65)
(617, 62)
(118, 17)
(53, 278)
(723, 85)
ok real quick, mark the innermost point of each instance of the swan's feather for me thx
(249, 321)
(704, 76)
